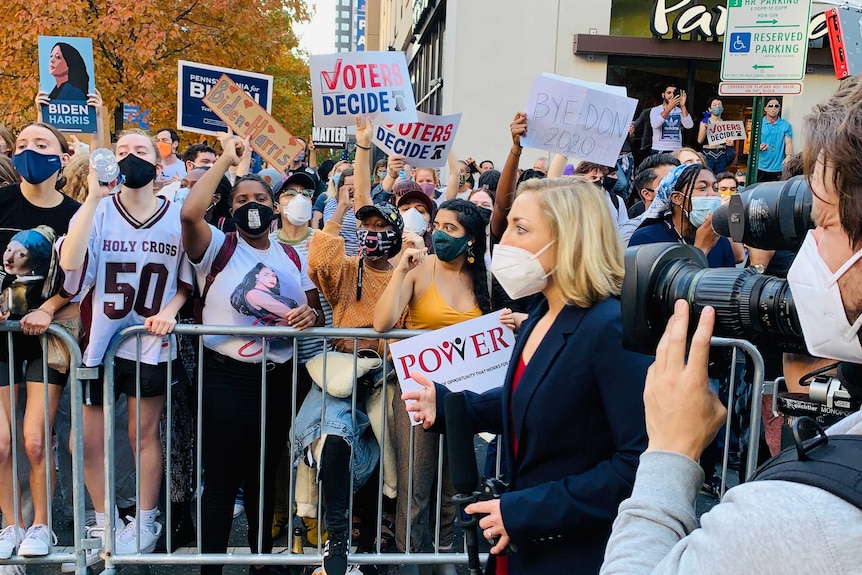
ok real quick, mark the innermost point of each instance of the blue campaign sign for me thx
(194, 81)
(66, 74)
(740, 42)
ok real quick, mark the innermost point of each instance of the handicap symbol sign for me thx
(740, 42)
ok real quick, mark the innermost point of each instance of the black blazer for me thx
(578, 417)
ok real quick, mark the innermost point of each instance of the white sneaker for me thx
(9, 540)
(37, 541)
(93, 532)
(238, 508)
(127, 540)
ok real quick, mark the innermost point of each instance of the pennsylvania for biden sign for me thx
(472, 355)
(350, 84)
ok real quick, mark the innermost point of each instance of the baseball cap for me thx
(300, 178)
(408, 196)
(386, 211)
(271, 176)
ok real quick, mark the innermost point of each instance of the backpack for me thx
(833, 464)
(222, 257)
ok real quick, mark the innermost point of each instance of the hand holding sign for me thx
(422, 403)
(232, 147)
(364, 132)
(518, 127)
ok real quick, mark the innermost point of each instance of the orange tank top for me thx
(432, 311)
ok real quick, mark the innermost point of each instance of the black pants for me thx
(768, 176)
(231, 448)
(335, 484)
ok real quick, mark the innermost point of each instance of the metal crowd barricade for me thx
(58, 554)
(756, 400)
(283, 555)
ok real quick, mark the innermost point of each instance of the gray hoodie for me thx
(761, 527)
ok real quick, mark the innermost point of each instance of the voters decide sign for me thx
(350, 84)
(765, 40)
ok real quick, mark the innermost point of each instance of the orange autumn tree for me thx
(137, 45)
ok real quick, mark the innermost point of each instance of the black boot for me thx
(183, 533)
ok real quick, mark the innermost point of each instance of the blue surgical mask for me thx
(717, 110)
(702, 207)
(34, 167)
(336, 178)
(381, 174)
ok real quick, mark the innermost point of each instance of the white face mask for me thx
(298, 211)
(519, 271)
(818, 303)
(414, 222)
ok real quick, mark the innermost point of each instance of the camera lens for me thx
(768, 216)
(747, 304)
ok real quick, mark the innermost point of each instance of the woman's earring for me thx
(470, 256)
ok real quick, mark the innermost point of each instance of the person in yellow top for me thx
(439, 290)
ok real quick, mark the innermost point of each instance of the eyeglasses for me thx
(293, 191)
(773, 106)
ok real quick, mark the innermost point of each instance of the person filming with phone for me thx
(668, 120)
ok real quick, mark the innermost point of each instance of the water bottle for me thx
(104, 163)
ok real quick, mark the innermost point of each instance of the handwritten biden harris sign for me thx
(350, 84)
(247, 118)
(424, 144)
(578, 119)
(472, 355)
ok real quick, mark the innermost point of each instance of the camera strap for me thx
(833, 464)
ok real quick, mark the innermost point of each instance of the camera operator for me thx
(760, 526)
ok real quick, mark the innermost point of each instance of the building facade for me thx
(479, 57)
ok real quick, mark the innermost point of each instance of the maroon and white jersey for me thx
(132, 270)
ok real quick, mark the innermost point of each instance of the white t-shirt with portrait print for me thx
(249, 272)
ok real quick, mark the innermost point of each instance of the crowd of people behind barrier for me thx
(197, 237)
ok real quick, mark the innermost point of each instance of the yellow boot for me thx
(311, 532)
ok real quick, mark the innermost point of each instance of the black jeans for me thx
(763, 176)
(335, 484)
(231, 448)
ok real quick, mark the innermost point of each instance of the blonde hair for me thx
(331, 189)
(589, 251)
(76, 177)
(139, 132)
(676, 154)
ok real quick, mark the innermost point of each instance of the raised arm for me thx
(361, 164)
(196, 231)
(244, 167)
(452, 186)
(558, 166)
(394, 164)
(312, 153)
(74, 251)
(508, 177)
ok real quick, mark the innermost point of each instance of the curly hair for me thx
(76, 177)
(474, 221)
(250, 178)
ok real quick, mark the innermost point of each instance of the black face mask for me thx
(137, 173)
(609, 183)
(253, 218)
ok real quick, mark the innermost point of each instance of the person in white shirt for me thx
(668, 120)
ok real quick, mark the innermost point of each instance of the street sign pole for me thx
(754, 142)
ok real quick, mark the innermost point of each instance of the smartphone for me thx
(676, 93)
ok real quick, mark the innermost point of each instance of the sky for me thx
(318, 36)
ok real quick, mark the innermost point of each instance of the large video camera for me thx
(748, 305)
